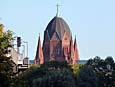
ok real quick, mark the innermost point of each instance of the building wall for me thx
(56, 49)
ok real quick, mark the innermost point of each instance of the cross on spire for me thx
(57, 9)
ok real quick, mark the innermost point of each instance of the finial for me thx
(57, 9)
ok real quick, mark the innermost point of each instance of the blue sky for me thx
(92, 21)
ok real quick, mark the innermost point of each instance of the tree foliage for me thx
(5, 62)
(104, 70)
(5, 71)
(51, 73)
(76, 68)
(6, 41)
(56, 78)
(87, 77)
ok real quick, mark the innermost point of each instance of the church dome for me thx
(58, 25)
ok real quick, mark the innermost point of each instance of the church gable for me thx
(65, 40)
(55, 37)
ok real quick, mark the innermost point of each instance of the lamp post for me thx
(26, 47)
(26, 60)
(23, 51)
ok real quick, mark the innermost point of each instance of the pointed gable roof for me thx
(71, 46)
(39, 53)
(76, 54)
(75, 44)
(55, 37)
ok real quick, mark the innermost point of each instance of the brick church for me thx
(58, 44)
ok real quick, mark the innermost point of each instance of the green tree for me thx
(104, 70)
(55, 78)
(38, 74)
(5, 62)
(5, 71)
(25, 78)
(109, 60)
(6, 41)
(87, 77)
(76, 68)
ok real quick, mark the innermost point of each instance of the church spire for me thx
(39, 59)
(75, 42)
(76, 54)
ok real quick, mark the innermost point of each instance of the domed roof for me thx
(58, 25)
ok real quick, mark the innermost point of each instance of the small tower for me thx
(39, 59)
(71, 51)
(76, 54)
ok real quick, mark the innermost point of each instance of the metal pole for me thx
(23, 51)
(18, 50)
(27, 47)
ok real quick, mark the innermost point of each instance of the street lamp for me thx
(26, 47)
(23, 51)
(26, 59)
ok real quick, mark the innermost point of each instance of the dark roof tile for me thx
(59, 26)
